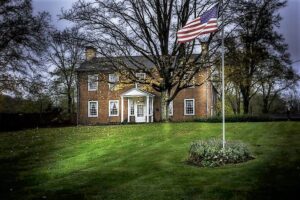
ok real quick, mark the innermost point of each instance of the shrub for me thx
(210, 153)
(244, 118)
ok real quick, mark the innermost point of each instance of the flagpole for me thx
(223, 82)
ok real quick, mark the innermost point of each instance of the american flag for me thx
(206, 23)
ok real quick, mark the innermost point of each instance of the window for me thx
(92, 82)
(131, 108)
(139, 77)
(112, 79)
(93, 109)
(189, 107)
(113, 107)
(140, 110)
(171, 108)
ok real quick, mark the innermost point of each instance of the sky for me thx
(290, 24)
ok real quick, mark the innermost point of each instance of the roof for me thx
(103, 64)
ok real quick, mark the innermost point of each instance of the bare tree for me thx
(147, 28)
(65, 54)
(274, 76)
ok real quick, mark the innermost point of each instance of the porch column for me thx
(122, 109)
(152, 118)
(128, 109)
(147, 108)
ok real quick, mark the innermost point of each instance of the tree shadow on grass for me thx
(278, 182)
(21, 154)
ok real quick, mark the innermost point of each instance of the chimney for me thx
(90, 53)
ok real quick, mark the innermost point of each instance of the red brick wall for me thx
(201, 94)
(103, 94)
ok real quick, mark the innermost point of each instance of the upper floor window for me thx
(140, 77)
(92, 82)
(112, 79)
(113, 107)
(93, 109)
(189, 107)
(171, 108)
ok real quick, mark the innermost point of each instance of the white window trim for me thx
(109, 114)
(185, 106)
(89, 78)
(89, 114)
(172, 108)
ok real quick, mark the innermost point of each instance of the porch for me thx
(140, 106)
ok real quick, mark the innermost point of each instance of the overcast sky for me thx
(290, 25)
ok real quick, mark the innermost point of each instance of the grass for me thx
(147, 162)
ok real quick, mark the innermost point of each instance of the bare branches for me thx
(23, 39)
(65, 54)
(146, 28)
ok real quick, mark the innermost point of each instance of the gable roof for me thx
(103, 64)
(133, 92)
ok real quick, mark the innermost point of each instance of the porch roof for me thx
(135, 92)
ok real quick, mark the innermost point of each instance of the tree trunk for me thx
(246, 102)
(69, 96)
(233, 107)
(238, 107)
(238, 102)
(265, 108)
(69, 104)
(245, 91)
(164, 106)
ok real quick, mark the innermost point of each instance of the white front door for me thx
(140, 112)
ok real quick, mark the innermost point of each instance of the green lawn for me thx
(147, 162)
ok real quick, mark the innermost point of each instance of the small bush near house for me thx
(248, 118)
(210, 153)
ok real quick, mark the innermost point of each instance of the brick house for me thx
(102, 101)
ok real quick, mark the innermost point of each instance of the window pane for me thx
(113, 107)
(92, 82)
(93, 108)
(132, 108)
(140, 76)
(113, 79)
(140, 110)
